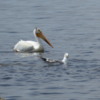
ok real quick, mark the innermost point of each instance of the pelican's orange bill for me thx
(40, 35)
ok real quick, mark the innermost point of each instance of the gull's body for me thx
(32, 46)
(63, 61)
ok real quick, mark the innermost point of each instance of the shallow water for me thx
(72, 26)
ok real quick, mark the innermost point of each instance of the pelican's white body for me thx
(28, 46)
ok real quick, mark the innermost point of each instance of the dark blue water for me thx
(72, 26)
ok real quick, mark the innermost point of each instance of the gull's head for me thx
(40, 34)
(64, 60)
(66, 55)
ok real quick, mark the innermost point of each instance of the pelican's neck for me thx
(37, 39)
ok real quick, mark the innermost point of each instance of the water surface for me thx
(72, 26)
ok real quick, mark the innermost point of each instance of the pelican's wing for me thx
(23, 46)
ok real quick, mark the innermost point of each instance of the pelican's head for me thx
(39, 34)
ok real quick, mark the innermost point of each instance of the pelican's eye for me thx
(38, 33)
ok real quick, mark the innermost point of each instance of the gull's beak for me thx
(41, 35)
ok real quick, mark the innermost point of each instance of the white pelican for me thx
(32, 46)
(63, 61)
